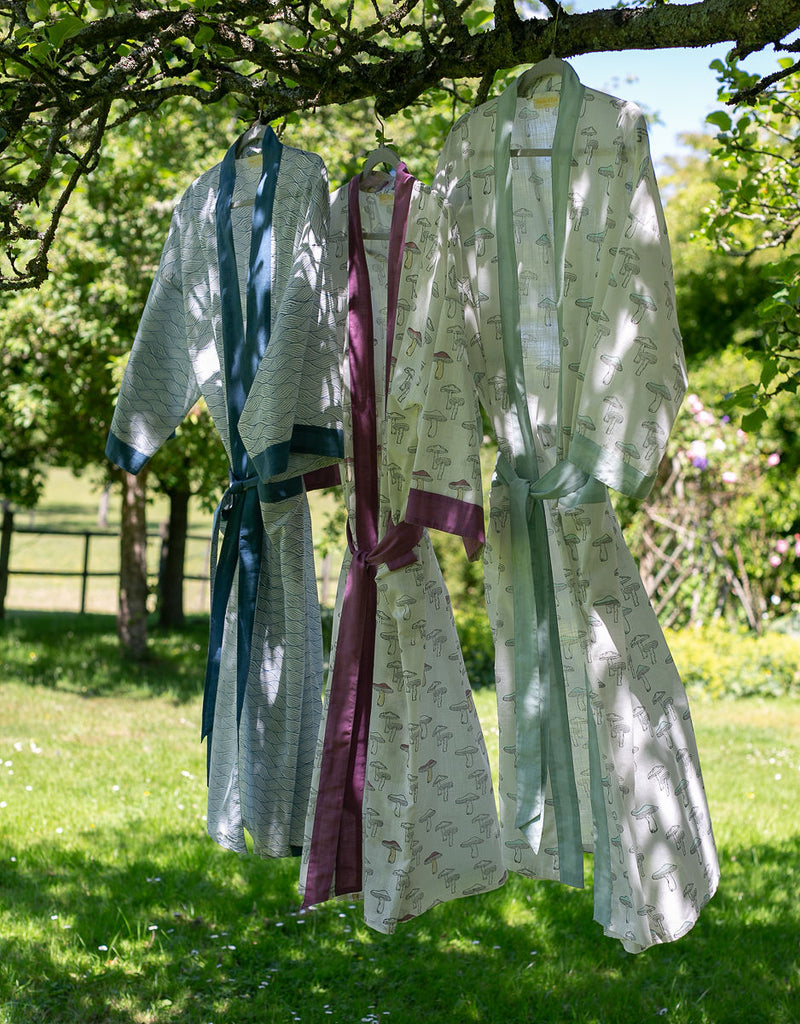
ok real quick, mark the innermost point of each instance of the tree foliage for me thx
(755, 219)
(71, 72)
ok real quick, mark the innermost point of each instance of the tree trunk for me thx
(173, 553)
(132, 614)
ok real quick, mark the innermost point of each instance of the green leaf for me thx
(752, 421)
(203, 35)
(64, 29)
(721, 119)
(768, 371)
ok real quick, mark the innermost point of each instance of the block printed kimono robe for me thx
(262, 700)
(402, 807)
(560, 261)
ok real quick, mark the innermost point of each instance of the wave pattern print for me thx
(260, 772)
(303, 421)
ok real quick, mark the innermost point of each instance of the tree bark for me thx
(173, 553)
(132, 613)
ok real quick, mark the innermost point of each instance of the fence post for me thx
(5, 554)
(85, 575)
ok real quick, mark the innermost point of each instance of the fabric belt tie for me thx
(336, 843)
(242, 542)
(540, 698)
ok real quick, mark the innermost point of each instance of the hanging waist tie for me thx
(336, 841)
(543, 737)
(240, 509)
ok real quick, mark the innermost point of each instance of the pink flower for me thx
(773, 459)
(729, 477)
(782, 545)
(694, 404)
(775, 561)
(705, 419)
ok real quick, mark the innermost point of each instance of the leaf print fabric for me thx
(574, 352)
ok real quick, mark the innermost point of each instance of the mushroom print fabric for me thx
(402, 807)
(559, 264)
(264, 680)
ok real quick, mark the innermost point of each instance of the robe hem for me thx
(124, 455)
(597, 462)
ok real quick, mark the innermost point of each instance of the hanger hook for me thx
(380, 133)
(555, 32)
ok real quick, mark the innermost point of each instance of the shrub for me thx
(719, 662)
(477, 645)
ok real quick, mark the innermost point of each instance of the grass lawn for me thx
(116, 908)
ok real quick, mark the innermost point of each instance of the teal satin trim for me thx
(543, 740)
(243, 346)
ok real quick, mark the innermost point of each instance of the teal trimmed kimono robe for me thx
(262, 705)
(563, 327)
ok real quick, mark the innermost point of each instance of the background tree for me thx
(755, 219)
(64, 348)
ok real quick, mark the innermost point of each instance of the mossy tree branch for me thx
(61, 73)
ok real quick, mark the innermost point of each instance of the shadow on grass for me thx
(81, 654)
(178, 930)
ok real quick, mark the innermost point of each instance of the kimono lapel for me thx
(243, 350)
(336, 841)
(543, 738)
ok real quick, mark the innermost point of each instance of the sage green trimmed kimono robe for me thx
(560, 263)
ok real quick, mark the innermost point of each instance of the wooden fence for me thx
(83, 537)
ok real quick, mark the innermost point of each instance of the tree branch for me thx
(286, 56)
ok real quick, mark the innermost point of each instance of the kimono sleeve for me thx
(632, 370)
(291, 421)
(159, 385)
(434, 430)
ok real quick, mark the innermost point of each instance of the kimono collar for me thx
(244, 349)
(569, 108)
(361, 347)
(542, 740)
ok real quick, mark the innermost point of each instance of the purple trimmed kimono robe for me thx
(403, 813)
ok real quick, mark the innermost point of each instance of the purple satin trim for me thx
(318, 479)
(441, 512)
(336, 840)
(403, 188)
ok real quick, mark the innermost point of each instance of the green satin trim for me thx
(601, 463)
(543, 742)
(602, 838)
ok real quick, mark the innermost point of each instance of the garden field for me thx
(116, 907)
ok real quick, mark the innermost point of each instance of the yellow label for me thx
(545, 102)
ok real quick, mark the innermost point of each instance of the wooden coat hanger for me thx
(382, 154)
(550, 65)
